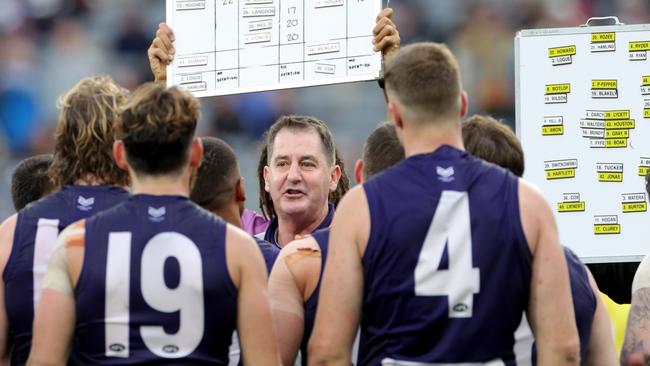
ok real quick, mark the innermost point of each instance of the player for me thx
(90, 181)
(423, 251)
(294, 282)
(219, 188)
(30, 181)
(169, 281)
(492, 141)
(636, 347)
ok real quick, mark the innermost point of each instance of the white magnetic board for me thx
(238, 46)
(583, 117)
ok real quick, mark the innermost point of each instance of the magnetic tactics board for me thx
(238, 46)
(583, 117)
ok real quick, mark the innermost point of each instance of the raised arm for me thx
(386, 38)
(161, 52)
(339, 306)
(550, 309)
(636, 348)
(254, 322)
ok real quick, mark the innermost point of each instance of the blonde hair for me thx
(84, 133)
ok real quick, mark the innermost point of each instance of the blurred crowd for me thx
(48, 45)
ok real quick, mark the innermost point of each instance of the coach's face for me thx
(298, 177)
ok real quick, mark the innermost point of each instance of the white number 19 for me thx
(186, 298)
(450, 227)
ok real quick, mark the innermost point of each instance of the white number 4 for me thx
(450, 227)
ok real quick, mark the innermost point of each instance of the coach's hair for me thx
(493, 141)
(84, 133)
(426, 79)
(266, 203)
(302, 123)
(381, 150)
(29, 181)
(157, 127)
(217, 176)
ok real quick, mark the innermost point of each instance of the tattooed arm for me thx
(636, 348)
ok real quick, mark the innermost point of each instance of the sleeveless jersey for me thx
(584, 302)
(154, 287)
(37, 228)
(322, 238)
(447, 267)
(269, 251)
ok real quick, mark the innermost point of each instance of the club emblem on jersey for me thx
(445, 174)
(156, 214)
(85, 204)
(460, 308)
(117, 347)
(170, 348)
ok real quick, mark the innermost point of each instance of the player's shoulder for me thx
(74, 235)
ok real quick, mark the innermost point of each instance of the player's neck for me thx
(425, 139)
(289, 227)
(172, 185)
(230, 214)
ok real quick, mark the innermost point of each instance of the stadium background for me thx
(46, 46)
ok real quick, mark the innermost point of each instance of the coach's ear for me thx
(358, 171)
(196, 153)
(119, 154)
(463, 104)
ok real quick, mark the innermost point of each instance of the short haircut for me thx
(426, 79)
(493, 141)
(266, 203)
(217, 176)
(381, 150)
(157, 128)
(30, 181)
(85, 133)
(303, 123)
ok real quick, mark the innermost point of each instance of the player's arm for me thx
(386, 36)
(54, 322)
(6, 243)
(161, 52)
(601, 349)
(636, 348)
(287, 293)
(550, 308)
(254, 321)
(339, 304)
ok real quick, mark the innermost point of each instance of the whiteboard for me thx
(238, 46)
(583, 117)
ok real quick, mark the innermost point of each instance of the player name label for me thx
(603, 42)
(328, 3)
(561, 55)
(190, 5)
(606, 224)
(193, 61)
(258, 12)
(191, 78)
(323, 48)
(571, 203)
(634, 202)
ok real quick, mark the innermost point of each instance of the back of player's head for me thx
(425, 78)
(381, 150)
(30, 181)
(303, 123)
(493, 141)
(85, 133)
(217, 176)
(157, 128)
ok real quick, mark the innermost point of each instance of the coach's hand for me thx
(161, 52)
(386, 35)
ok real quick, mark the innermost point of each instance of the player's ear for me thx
(358, 171)
(334, 178)
(196, 153)
(240, 192)
(463, 104)
(119, 154)
(395, 115)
